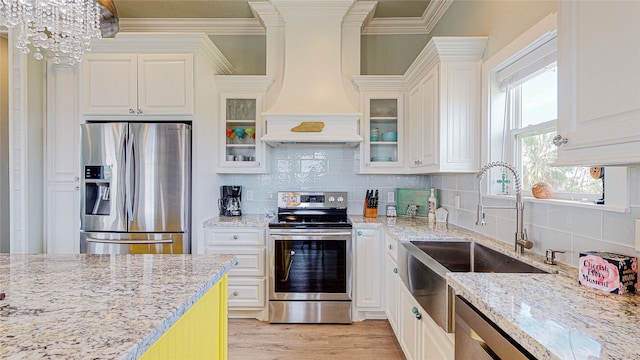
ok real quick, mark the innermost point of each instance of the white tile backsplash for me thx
(298, 168)
(550, 226)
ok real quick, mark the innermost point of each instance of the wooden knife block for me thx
(370, 212)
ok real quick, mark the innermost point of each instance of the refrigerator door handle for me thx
(122, 178)
(131, 241)
(130, 172)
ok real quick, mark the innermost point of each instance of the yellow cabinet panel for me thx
(201, 333)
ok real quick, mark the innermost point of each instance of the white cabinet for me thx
(382, 130)
(391, 282)
(444, 106)
(62, 158)
(242, 125)
(423, 115)
(599, 82)
(62, 224)
(410, 317)
(137, 84)
(368, 272)
(248, 278)
(420, 337)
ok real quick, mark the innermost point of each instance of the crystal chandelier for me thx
(63, 28)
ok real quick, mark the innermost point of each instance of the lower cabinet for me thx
(368, 256)
(201, 333)
(418, 335)
(248, 278)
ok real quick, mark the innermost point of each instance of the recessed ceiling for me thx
(240, 8)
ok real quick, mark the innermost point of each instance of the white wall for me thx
(4, 146)
(35, 153)
(502, 21)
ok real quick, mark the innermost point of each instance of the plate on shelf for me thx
(380, 158)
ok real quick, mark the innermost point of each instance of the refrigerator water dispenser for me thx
(97, 190)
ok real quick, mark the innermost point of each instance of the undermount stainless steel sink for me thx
(423, 266)
(467, 256)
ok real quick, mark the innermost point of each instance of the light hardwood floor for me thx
(366, 340)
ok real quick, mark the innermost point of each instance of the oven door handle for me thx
(301, 234)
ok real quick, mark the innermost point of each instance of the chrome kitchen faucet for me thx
(521, 241)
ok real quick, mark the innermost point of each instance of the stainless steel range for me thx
(310, 259)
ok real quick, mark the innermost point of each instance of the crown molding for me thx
(409, 25)
(243, 82)
(266, 14)
(380, 82)
(359, 14)
(210, 26)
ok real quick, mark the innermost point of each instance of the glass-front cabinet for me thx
(382, 149)
(242, 125)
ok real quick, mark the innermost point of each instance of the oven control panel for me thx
(329, 199)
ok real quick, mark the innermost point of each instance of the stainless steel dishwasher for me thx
(479, 339)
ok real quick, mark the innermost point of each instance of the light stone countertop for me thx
(550, 315)
(97, 306)
(237, 221)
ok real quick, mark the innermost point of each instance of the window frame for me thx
(493, 107)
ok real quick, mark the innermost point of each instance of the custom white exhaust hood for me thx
(312, 105)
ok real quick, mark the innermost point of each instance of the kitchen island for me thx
(109, 306)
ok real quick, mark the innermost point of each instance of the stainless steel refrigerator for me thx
(136, 188)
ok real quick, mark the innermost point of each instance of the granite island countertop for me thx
(550, 315)
(97, 306)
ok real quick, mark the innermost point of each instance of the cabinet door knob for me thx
(235, 293)
(559, 140)
(416, 312)
(257, 163)
(395, 270)
(359, 233)
(131, 111)
(138, 112)
(77, 188)
(390, 247)
(235, 237)
(77, 178)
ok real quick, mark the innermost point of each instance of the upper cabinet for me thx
(132, 84)
(598, 83)
(148, 76)
(241, 126)
(444, 106)
(382, 130)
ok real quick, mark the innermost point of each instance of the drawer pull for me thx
(235, 237)
(395, 271)
(415, 311)
(359, 233)
(235, 293)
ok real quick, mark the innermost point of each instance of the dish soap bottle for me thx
(432, 206)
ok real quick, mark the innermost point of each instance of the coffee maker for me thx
(229, 203)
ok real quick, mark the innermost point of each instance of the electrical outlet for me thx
(637, 234)
(456, 200)
(249, 195)
(391, 197)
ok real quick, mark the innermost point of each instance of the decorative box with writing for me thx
(613, 273)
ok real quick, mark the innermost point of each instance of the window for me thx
(533, 112)
(528, 85)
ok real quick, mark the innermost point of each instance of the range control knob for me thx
(332, 199)
(340, 199)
